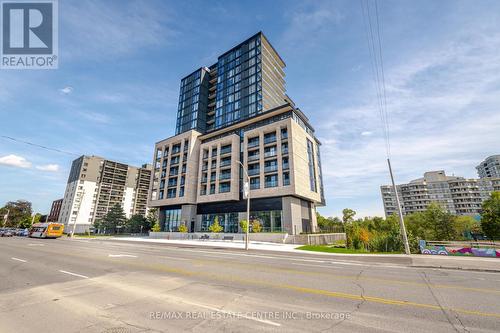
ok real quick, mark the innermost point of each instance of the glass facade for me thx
(228, 221)
(171, 220)
(239, 83)
(312, 171)
(271, 221)
(193, 100)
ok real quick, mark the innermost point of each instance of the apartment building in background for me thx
(490, 167)
(55, 210)
(96, 184)
(456, 195)
(233, 113)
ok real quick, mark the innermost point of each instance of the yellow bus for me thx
(46, 230)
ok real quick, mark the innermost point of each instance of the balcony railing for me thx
(225, 176)
(271, 184)
(253, 172)
(225, 163)
(269, 140)
(286, 166)
(225, 151)
(284, 151)
(254, 186)
(224, 189)
(253, 157)
(271, 168)
(270, 154)
(253, 144)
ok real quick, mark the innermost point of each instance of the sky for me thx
(115, 92)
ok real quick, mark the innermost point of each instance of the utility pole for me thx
(400, 212)
(246, 193)
(5, 218)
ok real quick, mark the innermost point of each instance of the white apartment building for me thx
(96, 184)
(457, 195)
(490, 167)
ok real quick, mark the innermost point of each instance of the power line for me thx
(39, 146)
(377, 70)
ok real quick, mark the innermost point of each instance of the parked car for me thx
(22, 232)
(6, 233)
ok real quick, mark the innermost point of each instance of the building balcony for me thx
(225, 176)
(225, 163)
(269, 140)
(204, 180)
(225, 151)
(286, 166)
(271, 184)
(271, 169)
(270, 154)
(253, 157)
(253, 172)
(252, 144)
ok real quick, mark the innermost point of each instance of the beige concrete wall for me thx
(298, 155)
(280, 190)
(191, 175)
(233, 194)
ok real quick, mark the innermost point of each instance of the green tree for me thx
(243, 225)
(490, 216)
(216, 227)
(256, 226)
(156, 227)
(18, 210)
(348, 215)
(114, 219)
(183, 228)
(441, 222)
(152, 216)
(98, 226)
(25, 223)
(137, 221)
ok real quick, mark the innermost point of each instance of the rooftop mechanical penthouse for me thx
(236, 110)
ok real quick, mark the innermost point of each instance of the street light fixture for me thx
(246, 193)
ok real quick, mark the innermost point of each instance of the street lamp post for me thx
(246, 192)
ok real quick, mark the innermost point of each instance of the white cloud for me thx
(66, 90)
(444, 112)
(100, 29)
(309, 21)
(15, 161)
(48, 167)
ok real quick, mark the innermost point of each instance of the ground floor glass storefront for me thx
(271, 221)
(228, 221)
(171, 220)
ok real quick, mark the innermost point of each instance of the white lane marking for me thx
(309, 265)
(175, 258)
(80, 240)
(121, 255)
(17, 259)
(74, 274)
(34, 244)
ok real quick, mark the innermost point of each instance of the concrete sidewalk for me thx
(414, 260)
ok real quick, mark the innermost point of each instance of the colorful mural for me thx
(451, 250)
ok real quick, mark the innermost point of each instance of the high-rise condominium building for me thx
(96, 184)
(236, 111)
(55, 210)
(457, 195)
(490, 167)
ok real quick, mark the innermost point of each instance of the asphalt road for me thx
(80, 285)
